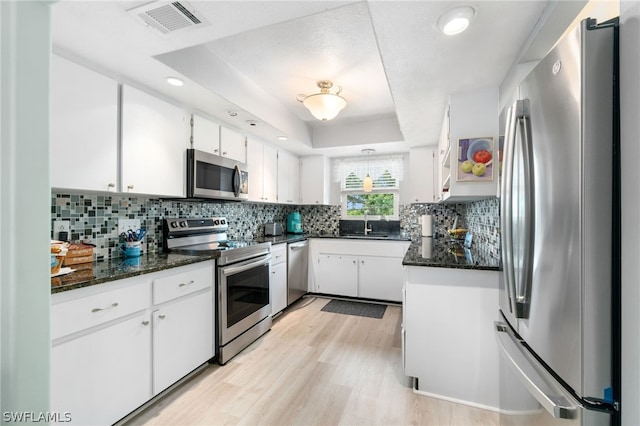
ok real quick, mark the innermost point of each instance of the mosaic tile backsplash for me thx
(96, 216)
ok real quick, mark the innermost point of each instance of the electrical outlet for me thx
(125, 224)
(60, 226)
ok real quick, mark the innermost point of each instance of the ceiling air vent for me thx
(168, 18)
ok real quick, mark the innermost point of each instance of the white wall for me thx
(24, 207)
(630, 150)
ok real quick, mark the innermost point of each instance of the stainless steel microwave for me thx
(216, 177)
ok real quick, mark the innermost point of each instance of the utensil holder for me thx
(131, 248)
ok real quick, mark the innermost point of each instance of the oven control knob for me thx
(216, 222)
(183, 224)
(174, 224)
(223, 222)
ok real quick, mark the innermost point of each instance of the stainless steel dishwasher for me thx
(297, 267)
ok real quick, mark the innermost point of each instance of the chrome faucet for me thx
(367, 225)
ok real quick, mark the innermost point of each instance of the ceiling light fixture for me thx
(175, 81)
(282, 138)
(367, 183)
(324, 105)
(455, 21)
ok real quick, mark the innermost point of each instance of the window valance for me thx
(386, 171)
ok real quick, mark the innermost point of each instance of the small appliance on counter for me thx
(294, 223)
(272, 229)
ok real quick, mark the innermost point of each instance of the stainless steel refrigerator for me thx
(559, 283)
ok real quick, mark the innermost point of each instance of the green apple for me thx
(467, 166)
(479, 169)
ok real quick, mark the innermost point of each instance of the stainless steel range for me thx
(242, 279)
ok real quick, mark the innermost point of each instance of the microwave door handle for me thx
(237, 180)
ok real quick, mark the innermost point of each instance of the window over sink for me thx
(383, 200)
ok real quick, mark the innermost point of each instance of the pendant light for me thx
(324, 105)
(367, 183)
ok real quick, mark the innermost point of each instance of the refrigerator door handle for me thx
(506, 207)
(540, 384)
(518, 285)
(524, 295)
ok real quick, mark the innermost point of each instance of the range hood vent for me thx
(169, 18)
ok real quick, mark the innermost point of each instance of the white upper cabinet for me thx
(233, 145)
(288, 177)
(423, 169)
(205, 135)
(314, 180)
(262, 164)
(209, 136)
(84, 128)
(472, 115)
(155, 136)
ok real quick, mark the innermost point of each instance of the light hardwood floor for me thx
(312, 368)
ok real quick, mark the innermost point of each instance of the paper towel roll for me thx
(427, 225)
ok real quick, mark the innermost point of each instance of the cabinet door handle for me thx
(111, 185)
(185, 284)
(224, 152)
(162, 316)
(273, 272)
(362, 261)
(129, 187)
(216, 151)
(145, 323)
(113, 305)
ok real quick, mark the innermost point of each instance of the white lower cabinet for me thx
(380, 278)
(100, 377)
(278, 280)
(113, 349)
(182, 333)
(101, 370)
(448, 337)
(337, 274)
(370, 269)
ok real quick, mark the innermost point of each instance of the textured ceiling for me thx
(254, 57)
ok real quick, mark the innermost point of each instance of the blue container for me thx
(294, 223)
(131, 248)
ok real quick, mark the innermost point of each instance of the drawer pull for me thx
(185, 284)
(162, 316)
(113, 305)
(145, 323)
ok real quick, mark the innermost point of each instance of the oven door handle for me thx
(231, 270)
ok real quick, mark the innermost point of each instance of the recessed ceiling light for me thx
(282, 138)
(455, 21)
(175, 81)
(232, 113)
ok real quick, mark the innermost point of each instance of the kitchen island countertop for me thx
(445, 253)
(100, 272)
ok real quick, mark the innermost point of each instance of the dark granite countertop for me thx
(444, 253)
(281, 239)
(374, 237)
(89, 274)
(294, 238)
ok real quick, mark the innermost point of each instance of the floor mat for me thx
(370, 310)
